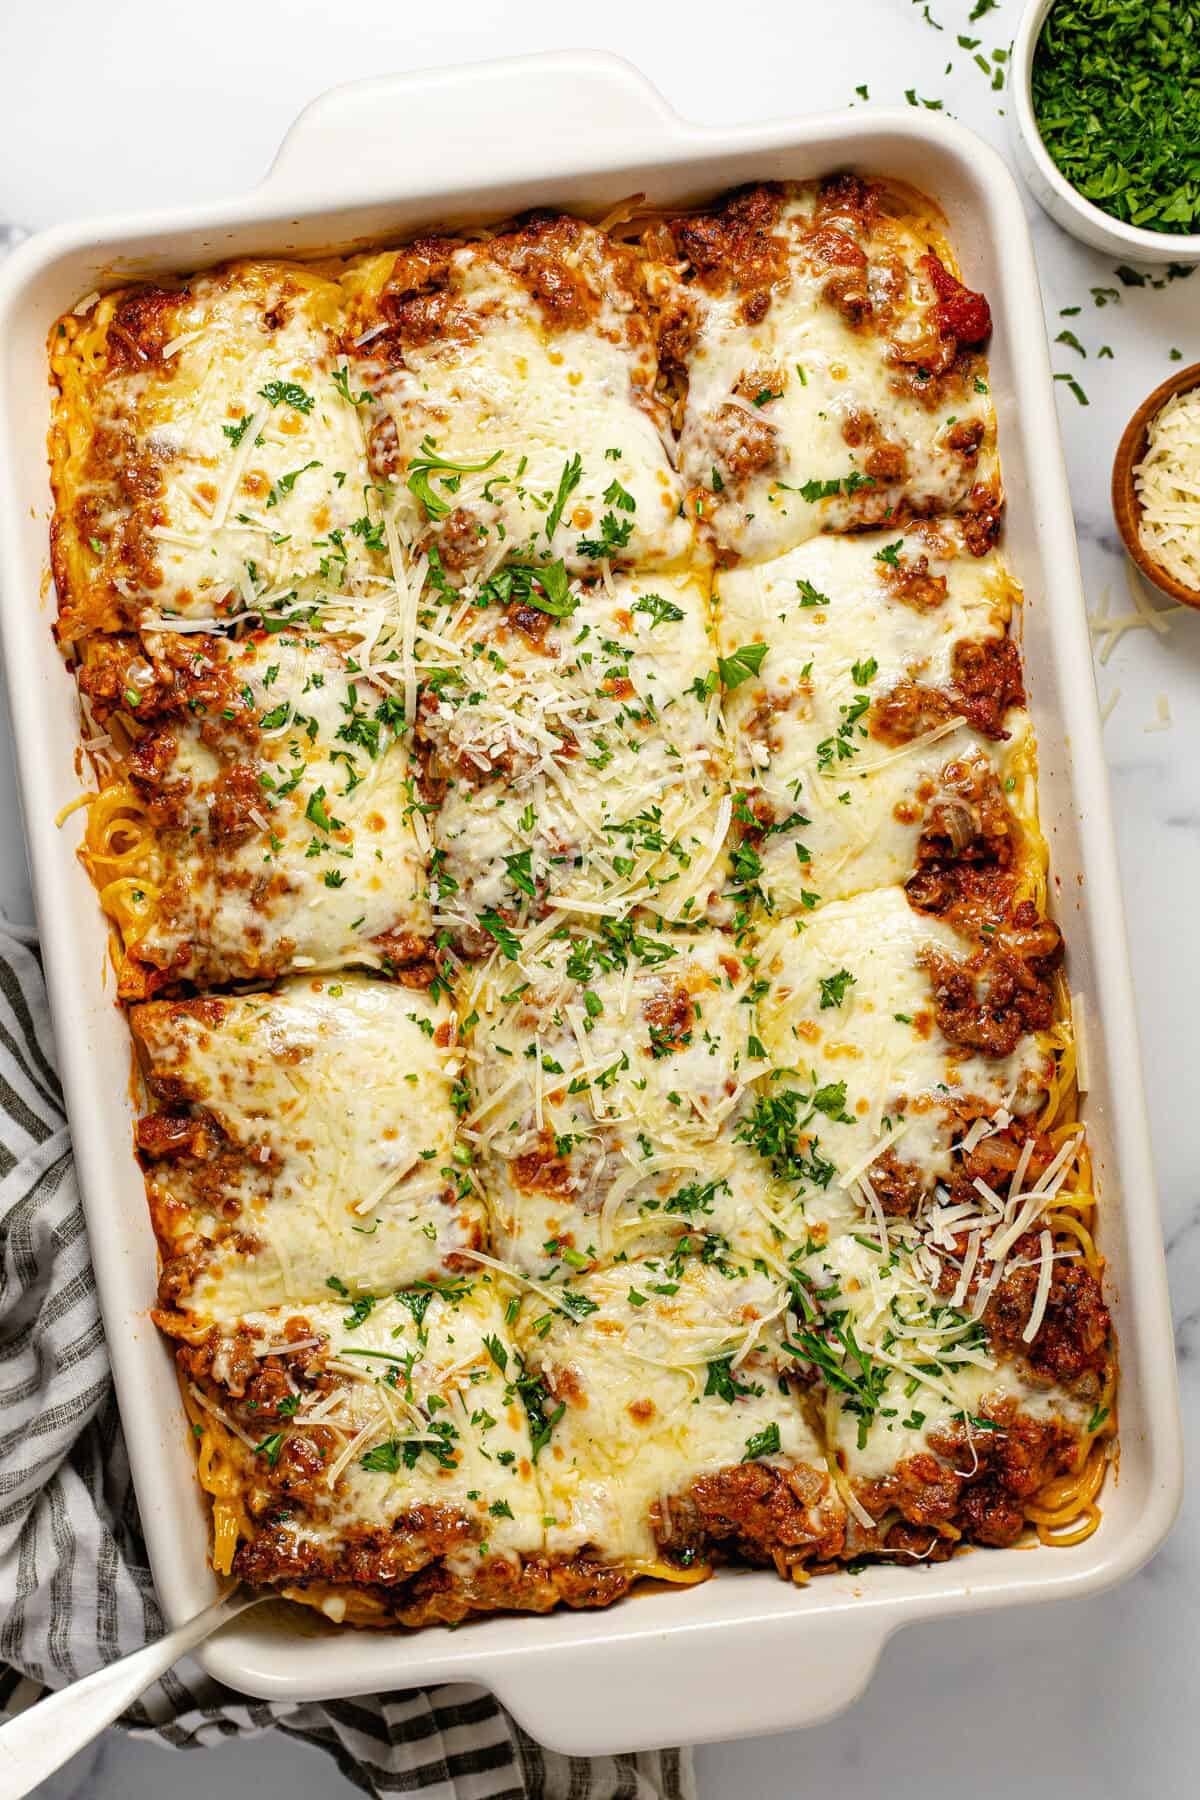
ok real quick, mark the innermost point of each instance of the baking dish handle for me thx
(738, 1678)
(549, 112)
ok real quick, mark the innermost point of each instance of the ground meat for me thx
(965, 437)
(462, 540)
(981, 522)
(400, 1570)
(533, 624)
(407, 956)
(827, 247)
(912, 583)
(744, 446)
(1072, 1339)
(966, 850)
(168, 1136)
(585, 1580)
(851, 200)
(420, 267)
(374, 1557)
(992, 1000)
(148, 764)
(675, 326)
(737, 247)
(1006, 1468)
(995, 1157)
(900, 1187)
(543, 1170)
(424, 319)
(765, 1514)
(184, 673)
(670, 1015)
(968, 895)
(887, 463)
(568, 268)
(987, 681)
(976, 1480)
(907, 711)
(236, 796)
(143, 321)
(383, 449)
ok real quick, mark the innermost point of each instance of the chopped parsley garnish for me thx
(341, 381)
(614, 535)
(722, 1382)
(662, 612)
(1116, 94)
(838, 484)
(743, 665)
(1074, 387)
(890, 554)
(317, 813)
(833, 988)
(287, 393)
(519, 873)
(427, 462)
(568, 481)
(506, 938)
(762, 1443)
(544, 586)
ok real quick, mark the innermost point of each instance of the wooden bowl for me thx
(1127, 508)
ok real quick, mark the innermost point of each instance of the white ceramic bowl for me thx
(1065, 204)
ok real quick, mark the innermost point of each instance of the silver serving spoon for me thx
(50, 1732)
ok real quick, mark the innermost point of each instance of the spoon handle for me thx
(47, 1734)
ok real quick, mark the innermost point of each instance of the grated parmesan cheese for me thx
(1167, 483)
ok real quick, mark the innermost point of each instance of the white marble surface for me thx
(141, 104)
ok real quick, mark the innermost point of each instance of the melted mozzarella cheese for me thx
(430, 1398)
(603, 1100)
(775, 398)
(583, 766)
(937, 1369)
(643, 1416)
(335, 1148)
(499, 388)
(234, 461)
(836, 631)
(325, 860)
(872, 1027)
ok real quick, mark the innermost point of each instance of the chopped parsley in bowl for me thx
(1116, 97)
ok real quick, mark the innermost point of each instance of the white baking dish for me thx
(745, 1652)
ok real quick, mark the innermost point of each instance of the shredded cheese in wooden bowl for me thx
(1167, 484)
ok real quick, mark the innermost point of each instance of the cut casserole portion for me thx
(953, 1401)
(889, 1033)
(677, 1437)
(206, 456)
(263, 818)
(573, 744)
(606, 1066)
(832, 365)
(303, 1143)
(881, 731)
(380, 1467)
(514, 381)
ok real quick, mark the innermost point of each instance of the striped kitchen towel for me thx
(75, 1587)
